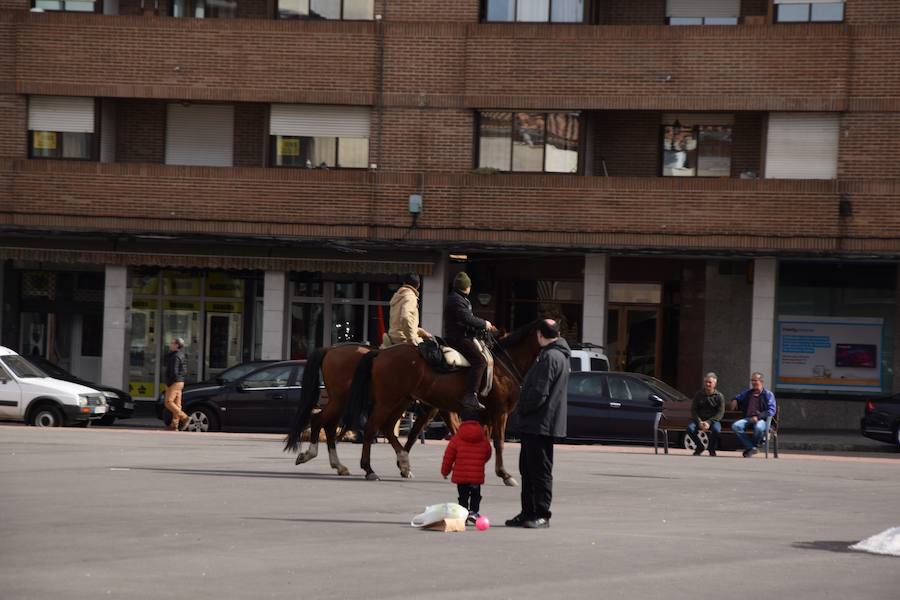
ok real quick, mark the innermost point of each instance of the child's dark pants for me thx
(469, 496)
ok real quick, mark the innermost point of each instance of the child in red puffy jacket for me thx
(466, 455)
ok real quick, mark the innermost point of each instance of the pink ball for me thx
(482, 523)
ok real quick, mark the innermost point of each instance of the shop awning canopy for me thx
(208, 261)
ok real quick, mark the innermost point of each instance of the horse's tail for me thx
(360, 392)
(309, 398)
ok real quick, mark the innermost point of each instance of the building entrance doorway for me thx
(634, 328)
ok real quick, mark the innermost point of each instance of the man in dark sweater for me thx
(541, 414)
(707, 411)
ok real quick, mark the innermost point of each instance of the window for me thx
(703, 12)
(270, 377)
(312, 136)
(67, 5)
(585, 384)
(696, 146)
(534, 11)
(529, 141)
(812, 11)
(346, 10)
(61, 127)
(21, 367)
(802, 146)
(619, 389)
(204, 9)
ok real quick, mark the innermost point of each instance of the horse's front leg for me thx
(499, 433)
(421, 421)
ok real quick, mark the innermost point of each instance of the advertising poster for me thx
(838, 354)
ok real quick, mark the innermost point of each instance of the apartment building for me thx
(694, 184)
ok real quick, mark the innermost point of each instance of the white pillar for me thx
(274, 301)
(762, 330)
(434, 293)
(594, 313)
(115, 318)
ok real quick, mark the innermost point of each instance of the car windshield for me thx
(21, 367)
(664, 389)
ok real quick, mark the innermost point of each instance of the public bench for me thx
(676, 422)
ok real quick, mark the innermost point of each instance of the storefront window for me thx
(338, 312)
(306, 329)
(835, 330)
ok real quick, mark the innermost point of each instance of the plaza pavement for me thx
(139, 513)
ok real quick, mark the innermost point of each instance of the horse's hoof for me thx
(511, 482)
(372, 477)
(343, 472)
(300, 460)
(407, 475)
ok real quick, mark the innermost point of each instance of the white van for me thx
(27, 394)
(588, 357)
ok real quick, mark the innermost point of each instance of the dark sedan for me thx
(121, 405)
(882, 420)
(264, 399)
(229, 375)
(616, 406)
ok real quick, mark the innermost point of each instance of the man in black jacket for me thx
(462, 328)
(175, 371)
(541, 415)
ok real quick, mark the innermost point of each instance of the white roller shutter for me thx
(61, 113)
(802, 146)
(313, 120)
(703, 8)
(200, 134)
(807, 1)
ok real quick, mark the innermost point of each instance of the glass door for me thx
(142, 352)
(633, 338)
(223, 341)
(182, 320)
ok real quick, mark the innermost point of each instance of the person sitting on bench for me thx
(707, 411)
(757, 404)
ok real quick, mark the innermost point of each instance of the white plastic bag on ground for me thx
(438, 512)
(886, 542)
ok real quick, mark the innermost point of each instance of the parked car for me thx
(264, 399)
(882, 420)
(588, 357)
(120, 404)
(28, 394)
(615, 406)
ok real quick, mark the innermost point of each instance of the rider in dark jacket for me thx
(462, 328)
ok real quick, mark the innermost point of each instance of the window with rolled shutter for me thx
(802, 146)
(200, 134)
(703, 8)
(61, 127)
(308, 135)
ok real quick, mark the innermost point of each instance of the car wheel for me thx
(688, 444)
(47, 416)
(107, 420)
(202, 418)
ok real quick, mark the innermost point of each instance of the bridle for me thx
(507, 361)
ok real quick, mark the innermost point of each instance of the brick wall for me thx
(141, 131)
(250, 134)
(868, 145)
(871, 11)
(427, 140)
(753, 8)
(458, 11)
(13, 124)
(628, 141)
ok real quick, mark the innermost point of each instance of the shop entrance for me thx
(634, 328)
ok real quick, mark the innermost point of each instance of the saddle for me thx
(444, 359)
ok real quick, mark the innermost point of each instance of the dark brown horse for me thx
(337, 365)
(387, 381)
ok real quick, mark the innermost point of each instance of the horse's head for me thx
(522, 345)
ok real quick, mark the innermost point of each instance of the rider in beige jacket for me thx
(404, 321)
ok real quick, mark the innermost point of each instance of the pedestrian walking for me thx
(175, 371)
(541, 415)
(465, 456)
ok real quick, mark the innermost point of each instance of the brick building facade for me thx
(675, 275)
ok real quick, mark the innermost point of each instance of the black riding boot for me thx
(470, 402)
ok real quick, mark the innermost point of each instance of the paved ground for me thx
(102, 513)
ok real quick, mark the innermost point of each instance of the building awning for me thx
(194, 261)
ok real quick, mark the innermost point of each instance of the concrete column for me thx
(115, 319)
(596, 272)
(274, 315)
(434, 293)
(762, 330)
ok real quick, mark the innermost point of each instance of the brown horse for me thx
(387, 381)
(337, 365)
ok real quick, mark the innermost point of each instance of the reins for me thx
(508, 361)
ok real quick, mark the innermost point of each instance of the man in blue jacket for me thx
(757, 404)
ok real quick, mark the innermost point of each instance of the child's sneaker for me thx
(473, 516)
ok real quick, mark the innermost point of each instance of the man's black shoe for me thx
(516, 521)
(536, 524)
(470, 402)
(712, 452)
(698, 451)
(750, 453)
